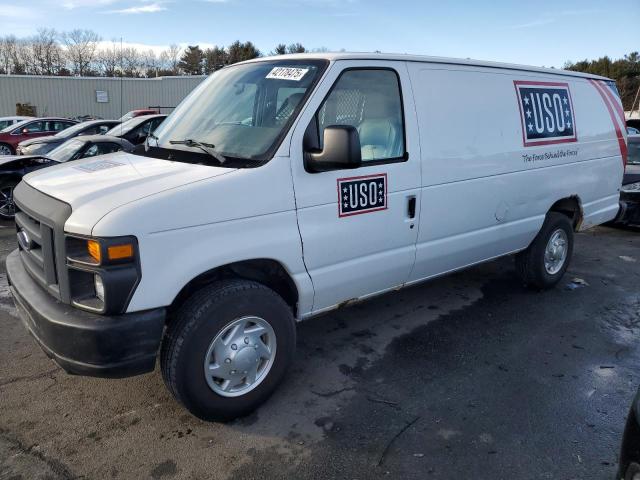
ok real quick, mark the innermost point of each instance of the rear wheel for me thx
(6, 149)
(228, 348)
(7, 205)
(544, 262)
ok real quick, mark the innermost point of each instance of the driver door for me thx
(359, 226)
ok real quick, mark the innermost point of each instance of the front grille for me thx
(36, 243)
(40, 223)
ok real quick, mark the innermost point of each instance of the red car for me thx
(137, 113)
(11, 136)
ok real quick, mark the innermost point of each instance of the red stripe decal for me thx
(621, 142)
(614, 101)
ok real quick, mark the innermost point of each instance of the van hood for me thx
(95, 186)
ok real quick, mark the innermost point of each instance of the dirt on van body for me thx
(469, 375)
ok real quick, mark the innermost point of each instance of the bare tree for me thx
(151, 63)
(131, 62)
(48, 57)
(81, 49)
(108, 59)
(172, 58)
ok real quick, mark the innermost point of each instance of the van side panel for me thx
(484, 193)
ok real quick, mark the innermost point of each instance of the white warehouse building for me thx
(95, 96)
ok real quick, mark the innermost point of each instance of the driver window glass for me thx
(33, 127)
(370, 101)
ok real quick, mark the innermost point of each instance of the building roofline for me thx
(126, 79)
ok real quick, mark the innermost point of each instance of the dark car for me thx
(629, 468)
(42, 145)
(14, 167)
(138, 113)
(137, 129)
(630, 192)
(11, 136)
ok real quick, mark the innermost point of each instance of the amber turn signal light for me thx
(93, 248)
(118, 252)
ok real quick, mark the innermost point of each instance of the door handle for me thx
(411, 207)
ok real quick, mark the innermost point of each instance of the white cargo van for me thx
(285, 187)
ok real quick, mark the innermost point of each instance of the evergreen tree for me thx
(191, 62)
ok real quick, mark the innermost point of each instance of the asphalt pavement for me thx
(467, 376)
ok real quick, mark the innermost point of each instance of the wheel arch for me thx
(266, 271)
(570, 206)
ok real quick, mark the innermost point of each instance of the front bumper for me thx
(629, 213)
(81, 342)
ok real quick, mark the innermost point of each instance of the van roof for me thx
(426, 59)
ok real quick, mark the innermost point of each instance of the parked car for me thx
(629, 462)
(11, 136)
(285, 187)
(630, 192)
(42, 145)
(138, 113)
(137, 129)
(14, 167)
(632, 131)
(8, 121)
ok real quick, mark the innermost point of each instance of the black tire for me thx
(4, 146)
(7, 206)
(198, 321)
(530, 263)
(633, 472)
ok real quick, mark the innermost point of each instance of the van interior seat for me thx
(379, 139)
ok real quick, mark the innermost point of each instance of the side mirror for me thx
(341, 150)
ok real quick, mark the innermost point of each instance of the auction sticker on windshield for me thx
(287, 73)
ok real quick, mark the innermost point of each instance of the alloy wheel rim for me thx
(7, 205)
(4, 150)
(240, 356)
(555, 253)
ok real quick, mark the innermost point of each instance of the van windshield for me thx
(243, 111)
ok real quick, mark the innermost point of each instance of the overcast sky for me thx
(541, 32)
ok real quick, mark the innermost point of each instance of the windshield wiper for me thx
(207, 148)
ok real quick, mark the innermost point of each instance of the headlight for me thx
(30, 149)
(103, 272)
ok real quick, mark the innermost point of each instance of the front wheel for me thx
(7, 205)
(6, 149)
(227, 349)
(545, 261)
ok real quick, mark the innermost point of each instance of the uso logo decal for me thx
(546, 113)
(364, 194)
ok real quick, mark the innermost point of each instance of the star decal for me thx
(568, 124)
(564, 99)
(530, 126)
(525, 100)
(566, 112)
(528, 112)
